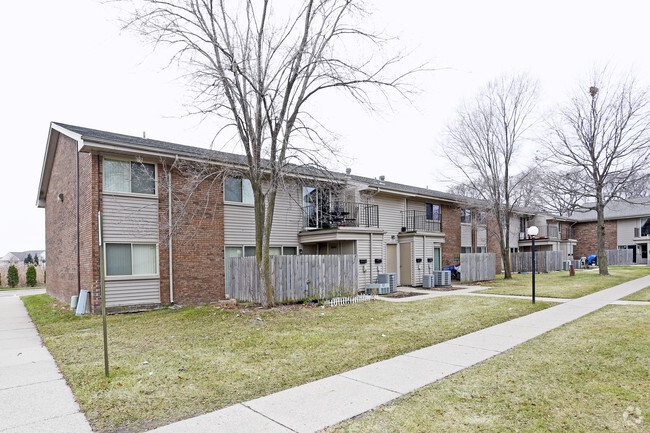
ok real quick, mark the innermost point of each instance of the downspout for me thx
(170, 248)
(78, 232)
(371, 261)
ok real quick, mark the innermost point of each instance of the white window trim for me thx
(132, 277)
(130, 194)
(237, 203)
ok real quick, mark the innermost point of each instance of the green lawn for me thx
(561, 285)
(171, 364)
(641, 295)
(2, 289)
(581, 377)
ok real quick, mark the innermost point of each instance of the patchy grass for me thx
(4, 289)
(581, 377)
(641, 295)
(171, 364)
(561, 285)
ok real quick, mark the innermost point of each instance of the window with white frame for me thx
(238, 190)
(126, 259)
(465, 216)
(465, 250)
(129, 177)
(481, 249)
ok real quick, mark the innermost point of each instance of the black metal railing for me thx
(550, 232)
(341, 214)
(643, 231)
(413, 220)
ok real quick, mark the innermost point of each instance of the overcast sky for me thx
(68, 61)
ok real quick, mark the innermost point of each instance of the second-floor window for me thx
(465, 216)
(129, 177)
(433, 212)
(238, 190)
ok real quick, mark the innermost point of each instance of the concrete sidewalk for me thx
(317, 405)
(34, 397)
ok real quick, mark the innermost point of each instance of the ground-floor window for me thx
(250, 250)
(465, 250)
(127, 259)
(481, 249)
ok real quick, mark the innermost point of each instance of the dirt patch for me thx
(403, 294)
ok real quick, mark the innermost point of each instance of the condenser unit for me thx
(390, 279)
(428, 281)
(566, 265)
(442, 278)
(378, 289)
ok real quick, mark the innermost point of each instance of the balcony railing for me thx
(550, 232)
(341, 214)
(640, 232)
(413, 220)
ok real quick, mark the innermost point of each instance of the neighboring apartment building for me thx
(18, 257)
(627, 226)
(391, 227)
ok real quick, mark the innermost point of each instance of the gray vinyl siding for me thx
(481, 236)
(363, 251)
(239, 221)
(625, 230)
(132, 219)
(390, 219)
(465, 235)
(132, 292)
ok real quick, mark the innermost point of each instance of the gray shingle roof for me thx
(633, 208)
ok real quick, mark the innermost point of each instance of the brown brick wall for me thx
(588, 239)
(494, 244)
(198, 243)
(90, 174)
(61, 222)
(451, 229)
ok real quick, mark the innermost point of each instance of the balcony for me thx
(414, 220)
(641, 232)
(340, 214)
(550, 232)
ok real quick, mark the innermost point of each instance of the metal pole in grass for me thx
(103, 288)
(532, 232)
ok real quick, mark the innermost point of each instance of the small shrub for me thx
(12, 276)
(28, 260)
(0, 279)
(30, 276)
(36, 259)
(44, 277)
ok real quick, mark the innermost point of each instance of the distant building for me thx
(17, 257)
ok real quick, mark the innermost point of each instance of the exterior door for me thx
(405, 264)
(391, 258)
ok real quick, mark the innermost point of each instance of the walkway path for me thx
(33, 395)
(317, 405)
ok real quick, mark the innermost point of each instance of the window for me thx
(289, 251)
(465, 250)
(131, 259)
(465, 216)
(238, 190)
(249, 251)
(481, 249)
(129, 177)
(433, 212)
(522, 225)
(480, 218)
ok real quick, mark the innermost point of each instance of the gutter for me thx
(170, 247)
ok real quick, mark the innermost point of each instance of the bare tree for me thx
(483, 143)
(602, 136)
(260, 71)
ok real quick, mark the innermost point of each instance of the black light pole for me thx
(532, 232)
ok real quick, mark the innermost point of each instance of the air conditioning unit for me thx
(378, 289)
(428, 281)
(442, 278)
(566, 265)
(577, 264)
(391, 279)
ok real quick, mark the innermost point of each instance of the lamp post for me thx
(532, 232)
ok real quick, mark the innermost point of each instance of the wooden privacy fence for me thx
(477, 267)
(294, 278)
(619, 257)
(545, 261)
